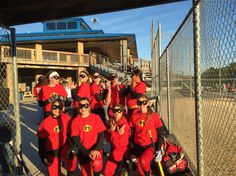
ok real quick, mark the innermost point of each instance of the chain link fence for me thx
(9, 106)
(205, 126)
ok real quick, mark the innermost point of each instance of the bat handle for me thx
(161, 169)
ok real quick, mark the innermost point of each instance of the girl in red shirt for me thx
(83, 90)
(116, 96)
(52, 91)
(87, 132)
(118, 136)
(98, 96)
(142, 123)
(53, 142)
(135, 90)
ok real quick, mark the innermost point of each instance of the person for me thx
(68, 102)
(37, 92)
(87, 133)
(97, 90)
(83, 90)
(118, 136)
(146, 129)
(53, 142)
(52, 90)
(135, 90)
(116, 96)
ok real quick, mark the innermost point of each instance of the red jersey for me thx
(54, 131)
(37, 91)
(118, 140)
(95, 89)
(142, 125)
(116, 96)
(82, 91)
(139, 88)
(47, 92)
(87, 129)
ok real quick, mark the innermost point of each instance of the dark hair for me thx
(41, 80)
(85, 98)
(149, 109)
(47, 76)
(85, 72)
(138, 73)
(61, 103)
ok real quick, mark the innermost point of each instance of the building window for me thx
(72, 25)
(61, 25)
(50, 26)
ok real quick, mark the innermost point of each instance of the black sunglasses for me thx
(144, 102)
(117, 110)
(56, 77)
(95, 77)
(83, 106)
(54, 107)
(82, 76)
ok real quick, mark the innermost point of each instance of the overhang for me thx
(15, 12)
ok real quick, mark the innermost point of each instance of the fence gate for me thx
(10, 132)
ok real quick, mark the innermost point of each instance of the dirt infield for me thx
(219, 131)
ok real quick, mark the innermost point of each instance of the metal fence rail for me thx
(198, 87)
(9, 105)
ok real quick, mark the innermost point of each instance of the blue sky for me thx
(136, 21)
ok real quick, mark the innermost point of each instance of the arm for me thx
(74, 95)
(99, 141)
(42, 152)
(78, 144)
(135, 94)
(160, 133)
(125, 91)
(99, 97)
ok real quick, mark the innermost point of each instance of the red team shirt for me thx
(118, 140)
(116, 96)
(54, 131)
(48, 91)
(82, 91)
(95, 89)
(87, 129)
(38, 92)
(142, 125)
(139, 88)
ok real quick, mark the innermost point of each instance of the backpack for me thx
(173, 160)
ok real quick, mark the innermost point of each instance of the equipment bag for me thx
(173, 160)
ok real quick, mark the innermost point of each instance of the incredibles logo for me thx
(57, 128)
(87, 128)
(141, 123)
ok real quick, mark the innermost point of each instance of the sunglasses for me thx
(117, 110)
(54, 107)
(83, 106)
(82, 76)
(144, 102)
(95, 77)
(56, 77)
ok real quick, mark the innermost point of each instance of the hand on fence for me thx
(158, 156)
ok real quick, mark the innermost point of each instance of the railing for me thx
(196, 74)
(56, 57)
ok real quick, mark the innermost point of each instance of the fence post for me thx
(197, 87)
(15, 91)
(168, 89)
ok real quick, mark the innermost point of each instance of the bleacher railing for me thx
(198, 87)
